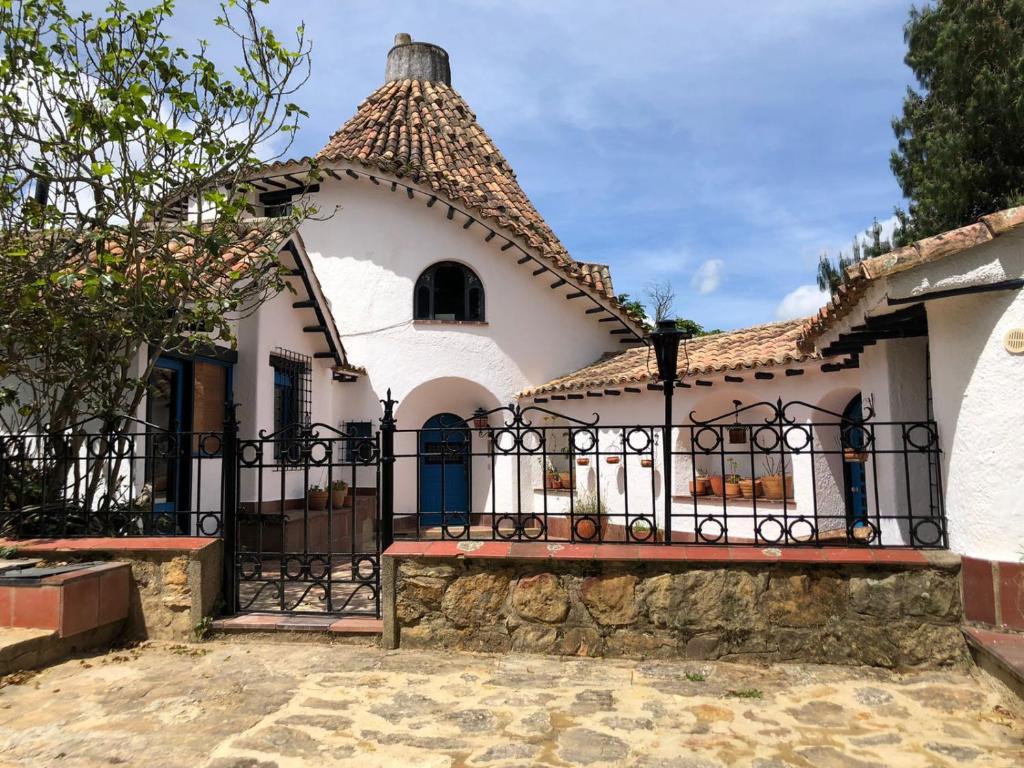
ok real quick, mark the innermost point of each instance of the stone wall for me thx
(888, 616)
(172, 588)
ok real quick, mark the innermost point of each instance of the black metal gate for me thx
(306, 536)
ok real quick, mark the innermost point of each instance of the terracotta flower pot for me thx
(338, 497)
(699, 487)
(582, 461)
(585, 529)
(612, 459)
(850, 454)
(751, 488)
(565, 479)
(717, 485)
(646, 462)
(317, 500)
(553, 482)
(732, 490)
(772, 485)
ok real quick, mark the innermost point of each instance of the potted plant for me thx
(717, 484)
(699, 485)
(751, 488)
(582, 461)
(316, 497)
(732, 481)
(339, 493)
(588, 512)
(646, 462)
(775, 478)
(565, 480)
(612, 459)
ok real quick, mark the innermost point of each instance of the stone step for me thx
(22, 648)
(1001, 654)
(283, 622)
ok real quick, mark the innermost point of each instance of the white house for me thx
(445, 282)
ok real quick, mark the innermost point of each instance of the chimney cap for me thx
(409, 60)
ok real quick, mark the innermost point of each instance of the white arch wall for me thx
(368, 256)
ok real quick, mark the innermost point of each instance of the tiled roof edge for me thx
(925, 251)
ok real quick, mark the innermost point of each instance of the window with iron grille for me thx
(448, 291)
(292, 399)
(356, 450)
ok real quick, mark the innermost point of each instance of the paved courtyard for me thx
(257, 704)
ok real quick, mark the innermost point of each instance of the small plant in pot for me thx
(565, 480)
(699, 485)
(775, 478)
(732, 481)
(751, 488)
(717, 485)
(339, 493)
(587, 513)
(316, 497)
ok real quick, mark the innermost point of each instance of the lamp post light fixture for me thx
(665, 339)
(480, 421)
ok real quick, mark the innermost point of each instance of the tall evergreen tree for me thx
(960, 153)
(832, 274)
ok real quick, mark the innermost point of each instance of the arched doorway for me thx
(854, 441)
(444, 471)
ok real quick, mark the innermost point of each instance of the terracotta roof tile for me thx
(425, 131)
(599, 277)
(760, 346)
(862, 274)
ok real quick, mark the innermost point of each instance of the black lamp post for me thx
(665, 339)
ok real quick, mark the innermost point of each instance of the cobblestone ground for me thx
(273, 705)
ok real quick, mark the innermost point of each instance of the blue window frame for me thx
(291, 401)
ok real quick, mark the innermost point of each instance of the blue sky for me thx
(720, 145)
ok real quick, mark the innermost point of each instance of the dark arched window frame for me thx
(449, 291)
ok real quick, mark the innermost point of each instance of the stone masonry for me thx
(895, 617)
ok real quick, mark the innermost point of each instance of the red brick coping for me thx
(111, 544)
(678, 553)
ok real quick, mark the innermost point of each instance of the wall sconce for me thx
(481, 422)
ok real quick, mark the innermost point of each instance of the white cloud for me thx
(708, 276)
(804, 301)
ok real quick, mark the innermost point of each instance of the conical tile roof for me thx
(426, 132)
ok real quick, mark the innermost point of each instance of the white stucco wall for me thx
(278, 325)
(368, 256)
(976, 386)
(975, 389)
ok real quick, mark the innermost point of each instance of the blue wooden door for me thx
(167, 468)
(444, 471)
(853, 471)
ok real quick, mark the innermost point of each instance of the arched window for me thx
(449, 291)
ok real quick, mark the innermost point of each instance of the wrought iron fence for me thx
(306, 531)
(764, 474)
(137, 480)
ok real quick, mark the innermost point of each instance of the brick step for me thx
(283, 622)
(1001, 654)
